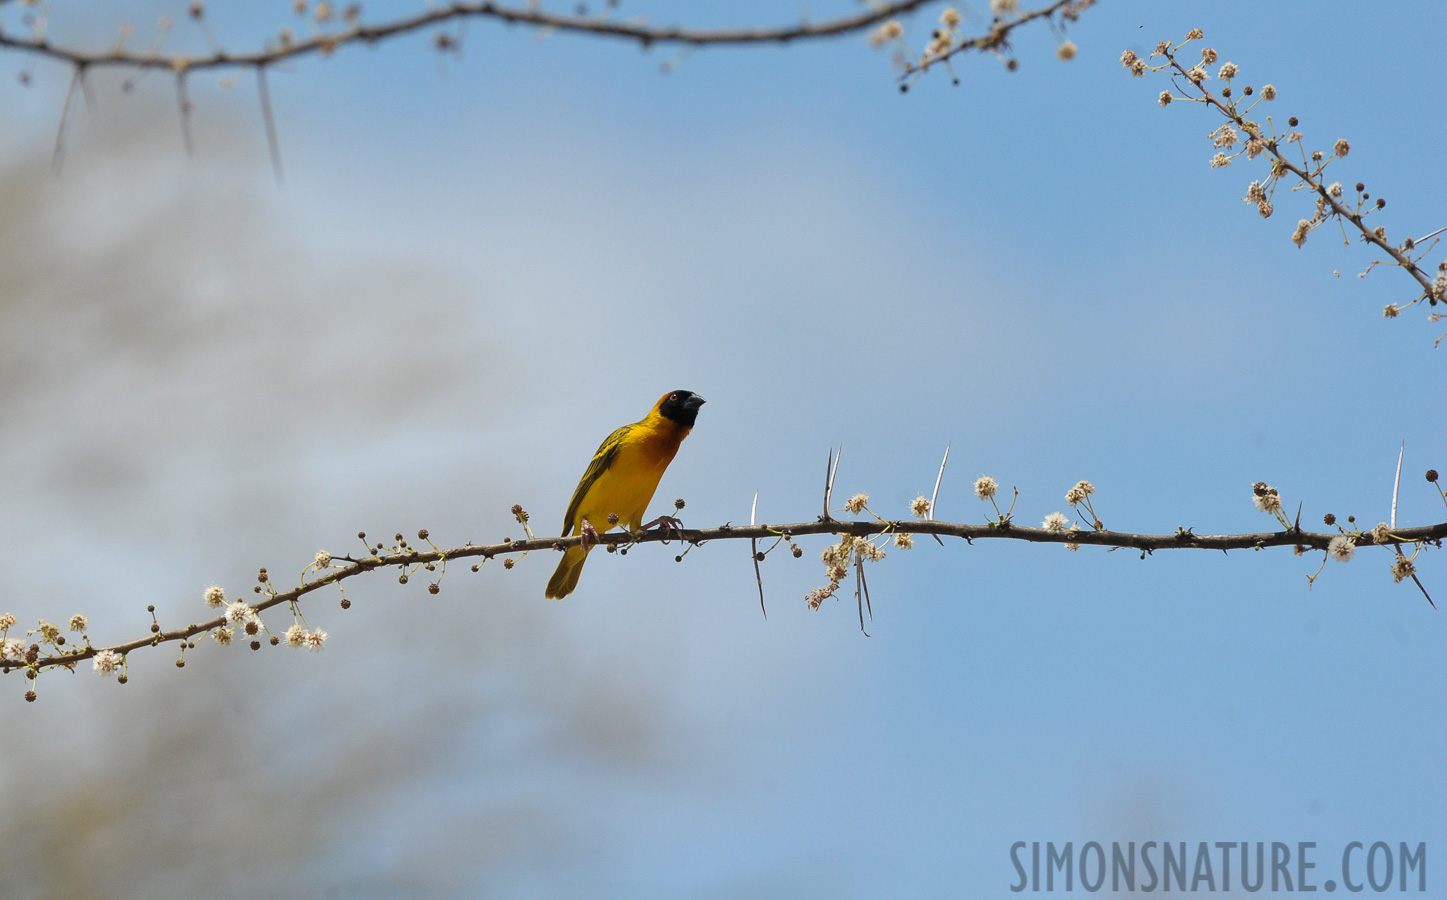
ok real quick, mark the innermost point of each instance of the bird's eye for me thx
(673, 396)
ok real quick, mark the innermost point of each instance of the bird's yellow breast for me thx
(628, 484)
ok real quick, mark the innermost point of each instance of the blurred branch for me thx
(640, 33)
(881, 17)
(947, 42)
(407, 559)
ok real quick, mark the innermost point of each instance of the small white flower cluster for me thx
(1079, 497)
(297, 636)
(79, 623)
(942, 40)
(867, 551)
(12, 650)
(1078, 493)
(857, 503)
(816, 597)
(1341, 548)
(836, 559)
(1303, 228)
(1137, 66)
(920, 506)
(985, 487)
(106, 663)
(1056, 521)
(1402, 568)
(241, 616)
(886, 33)
(1265, 497)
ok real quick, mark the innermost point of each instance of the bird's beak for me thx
(694, 402)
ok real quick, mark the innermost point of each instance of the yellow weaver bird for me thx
(621, 480)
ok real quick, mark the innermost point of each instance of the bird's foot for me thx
(589, 535)
(668, 524)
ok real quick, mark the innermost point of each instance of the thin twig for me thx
(829, 488)
(936, 495)
(864, 584)
(1419, 584)
(272, 143)
(938, 478)
(1397, 484)
(754, 555)
(86, 92)
(828, 479)
(57, 157)
(1396, 488)
(1428, 237)
(859, 595)
(185, 103)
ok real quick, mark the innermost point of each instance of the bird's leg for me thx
(668, 524)
(589, 535)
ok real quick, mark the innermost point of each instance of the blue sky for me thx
(477, 267)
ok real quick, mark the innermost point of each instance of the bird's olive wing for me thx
(601, 461)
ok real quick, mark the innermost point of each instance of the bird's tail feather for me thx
(566, 577)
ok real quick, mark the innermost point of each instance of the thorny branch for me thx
(408, 559)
